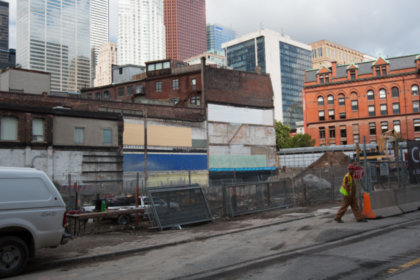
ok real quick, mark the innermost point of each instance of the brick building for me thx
(344, 103)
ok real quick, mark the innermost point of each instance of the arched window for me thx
(415, 90)
(9, 129)
(341, 100)
(395, 92)
(370, 95)
(330, 100)
(382, 93)
(320, 100)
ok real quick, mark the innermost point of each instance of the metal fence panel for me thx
(179, 205)
(255, 197)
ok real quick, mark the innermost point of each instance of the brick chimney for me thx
(333, 69)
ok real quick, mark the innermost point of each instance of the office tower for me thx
(4, 34)
(286, 60)
(107, 56)
(99, 29)
(141, 31)
(185, 22)
(54, 36)
(217, 35)
(324, 52)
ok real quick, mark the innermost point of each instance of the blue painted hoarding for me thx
(164, 162)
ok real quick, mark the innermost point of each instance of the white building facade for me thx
(280, 56)
(99, 31)
(141, 31)
(107, 57)
(54, 36)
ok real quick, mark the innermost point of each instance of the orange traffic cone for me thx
(367, 209)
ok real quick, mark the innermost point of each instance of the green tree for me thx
(284, 140)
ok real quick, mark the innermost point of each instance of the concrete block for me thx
(384, 204)
(408, 199)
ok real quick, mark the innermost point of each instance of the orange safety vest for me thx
(349, 182)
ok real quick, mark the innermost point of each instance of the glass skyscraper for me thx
(217, 35)
(4, 34)
(286, 60)
(54, 36)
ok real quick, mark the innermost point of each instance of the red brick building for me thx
(344, 103)
(185, 23)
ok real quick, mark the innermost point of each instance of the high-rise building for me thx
(54, 36)
(324, 52)
(107, 56)
(217, 35)
(141, 31)
(4, 34)
(99, 30)
(185, 22)
(286, 60)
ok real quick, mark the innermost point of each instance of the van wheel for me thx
(123, 220)
(14, 255)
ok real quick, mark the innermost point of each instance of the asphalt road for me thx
(314, 247)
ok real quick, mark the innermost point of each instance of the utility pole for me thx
(145, 146)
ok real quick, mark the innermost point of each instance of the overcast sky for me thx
(376, 27)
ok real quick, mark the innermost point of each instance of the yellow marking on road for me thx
(404, 266)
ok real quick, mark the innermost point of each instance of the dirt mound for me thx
(331, 159)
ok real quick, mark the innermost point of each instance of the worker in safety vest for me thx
(348, 189)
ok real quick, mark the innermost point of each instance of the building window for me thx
(417, 125)
(79, 135)
(9, 129)
(320, 100)
(397, 126)
(415, 106)
(342, 115)
(319, 52)
(106, 94)
(378, 71)
(343, 132)
(321, 115)
(331, 130)
(354, 105)
(352, 75)
(121, 91)
(107, 136)
(158, 86)
(383, 70)
(89, 96)
(330, 100)
(415, 90)
(37, 130)
(322, 132)
(130, 90)
(372, 128)
(321, 79)
(382, 93)
(371, 110)
(341, 100)
(194, 84)
(395, 92)
(331, 114)
(139, 89)
(98, 95)
(356, 138)
(384, 127)
(175, 84)
(370, 95)
(327, 79)
(396, 108)
(384, 110)
(195, 99)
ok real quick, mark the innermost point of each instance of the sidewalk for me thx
(317, 221)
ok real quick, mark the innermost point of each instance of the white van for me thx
(32, 216)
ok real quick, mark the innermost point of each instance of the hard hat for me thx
(351, 166)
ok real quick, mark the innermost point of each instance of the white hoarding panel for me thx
(240, 115)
